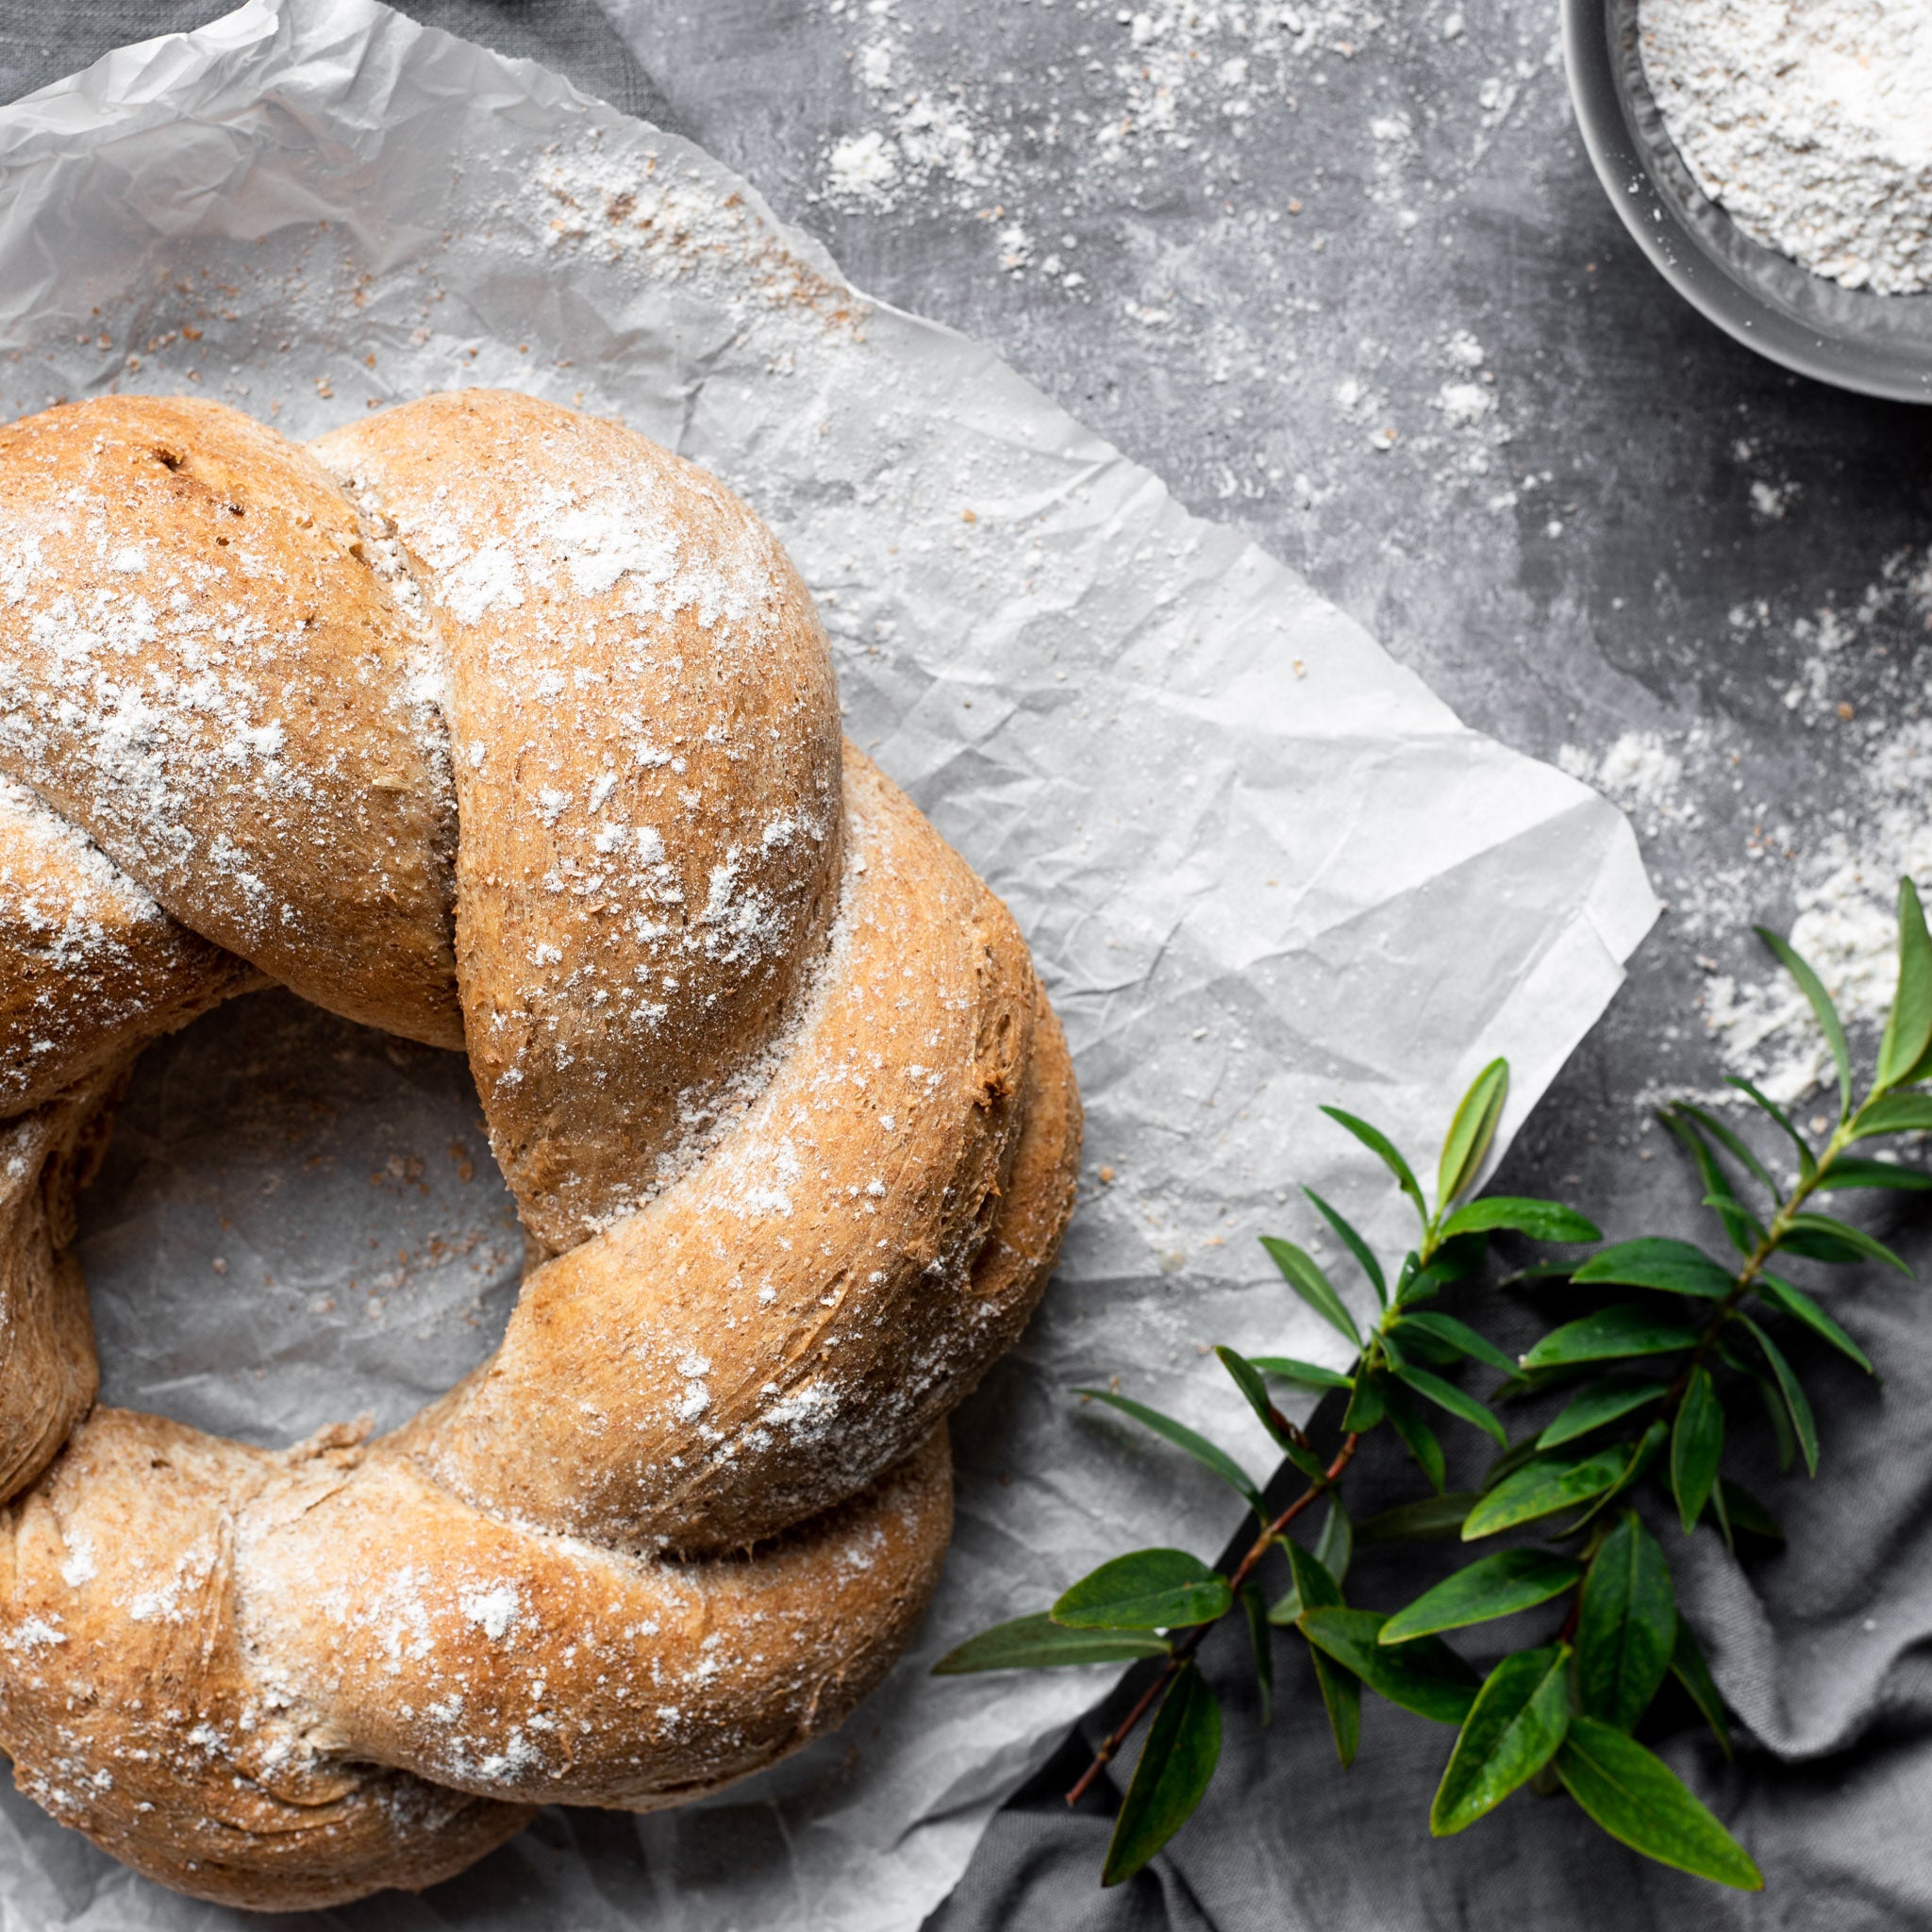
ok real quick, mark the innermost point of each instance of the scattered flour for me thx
(1641, 772)
(1464, 403)
(662, 221)
(863, 168)
(1845, 858)
(1170, 67)
(492, 1610)
(1810, 120)
(1845, 926)
(1046, 161)
(1185, 60)
(931, 134)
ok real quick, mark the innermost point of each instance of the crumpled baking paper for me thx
(1260, 865)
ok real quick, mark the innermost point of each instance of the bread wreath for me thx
(496, 725)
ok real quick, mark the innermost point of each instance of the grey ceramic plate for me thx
(1881, 344)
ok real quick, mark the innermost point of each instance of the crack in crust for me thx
(493, 722)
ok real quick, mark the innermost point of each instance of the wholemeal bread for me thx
(497, 726)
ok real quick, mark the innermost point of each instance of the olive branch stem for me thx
(1748, 1274)
(1751, 1269)
(1188, 1644)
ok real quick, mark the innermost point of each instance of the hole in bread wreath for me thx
(502, 730)
(296, 1221)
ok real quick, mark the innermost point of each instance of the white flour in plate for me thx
(1810, 120)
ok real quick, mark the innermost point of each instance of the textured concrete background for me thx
(1344, 278)
(1566, 569)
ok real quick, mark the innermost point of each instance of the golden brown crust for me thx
(722, 1390)
(484, 1655)
(790, 1123)
(203, 666)
(647, 735)
(131, 1711)
(47, 1369)
(91, 968)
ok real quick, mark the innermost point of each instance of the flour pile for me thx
(1810, 120)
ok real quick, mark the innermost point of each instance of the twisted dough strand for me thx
(766, 1066)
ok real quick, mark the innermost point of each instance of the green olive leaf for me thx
(1150, 1589)
(1808, 1162)
(1342, 1698)
(1895, 1113)
(1037, 1643)
(1813, 988)
(1364, 1255)
(1246, 1376)
(1909, 1026)
(1623, 1330)
(1606, 1400)
(1819, 1238)
(1309, 1375)
(1315, 1584)
(1733, 1143)
(1446, 1395)
(1689, 1669)
(1430, 1519)
(1456, 1335)
(1627, 1625)
(1176, 1767)
(1520, 1719)
(1697, 1445)
(1639, 1458)
(1255, 1606)
(1335, 1546)
(1672, 1267)
(1366, 1405)
(1495, 1586)
(1303, 1273)
(1636, 1797)
(1792, 1392)
(1543, 1487)
(1424, 1676)
(1198, 1447)
(1417, 1435)
(1848, 1172)
(1379, 1144)
(1541, 1220)
(1471, 1132)
(1796, 1303)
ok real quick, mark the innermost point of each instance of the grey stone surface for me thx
(1581, 586)
(1641, 535)
(1603, 518)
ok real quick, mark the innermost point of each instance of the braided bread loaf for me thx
(500, 727)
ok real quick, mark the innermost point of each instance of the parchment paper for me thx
(1260, 865)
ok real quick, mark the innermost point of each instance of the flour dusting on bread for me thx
(491, 722)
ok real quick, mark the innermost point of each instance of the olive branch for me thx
(1652, 1375)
